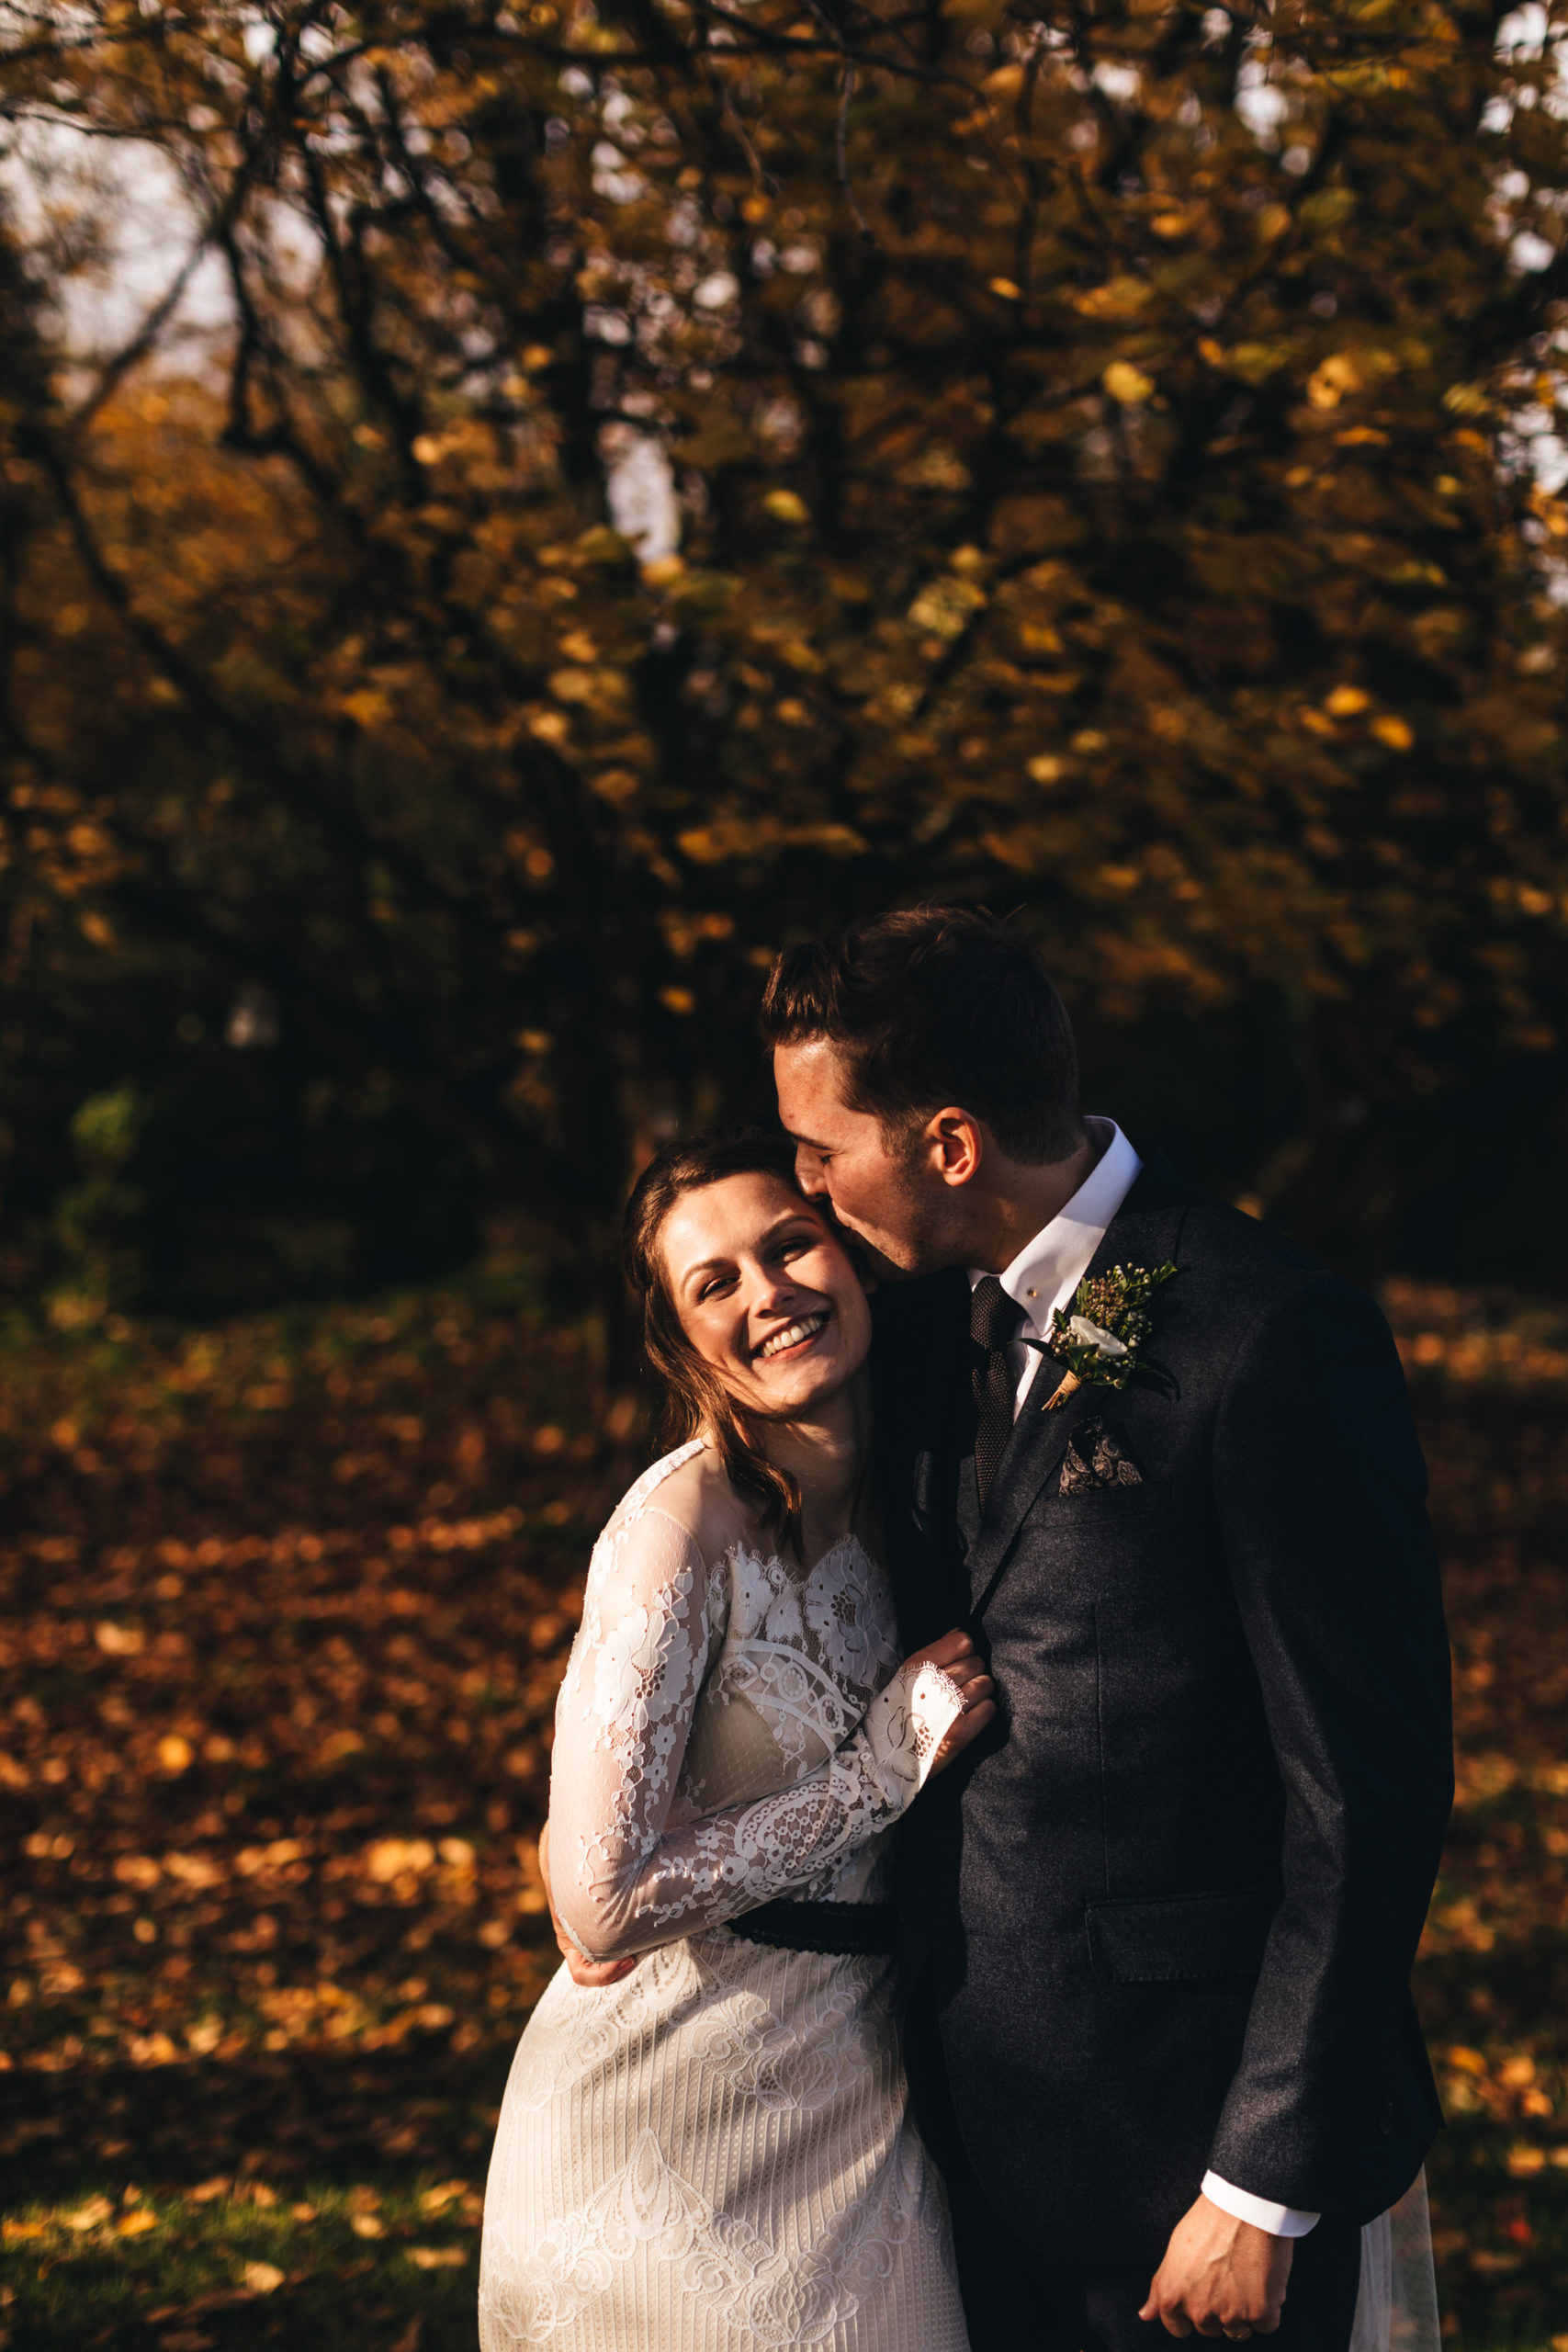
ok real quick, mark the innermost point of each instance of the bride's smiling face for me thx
(766, 1294)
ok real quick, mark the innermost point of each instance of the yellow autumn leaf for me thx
(1348, 371)
(89, 2216)
(946, 606)
(833, 841)
(1119, 297)
(1127, 384)
(727, 837)
(368, 708)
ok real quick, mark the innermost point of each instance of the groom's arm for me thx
(1321, 1493)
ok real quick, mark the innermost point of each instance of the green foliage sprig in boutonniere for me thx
(1098, 1341)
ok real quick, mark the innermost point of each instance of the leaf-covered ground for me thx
(1491, 1386)
(282, 1612)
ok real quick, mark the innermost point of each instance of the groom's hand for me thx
(1220, 2277)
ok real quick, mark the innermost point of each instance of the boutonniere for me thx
(1098, 1340)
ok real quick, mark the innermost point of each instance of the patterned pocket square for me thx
(1097, 1457)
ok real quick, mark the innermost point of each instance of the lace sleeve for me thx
(623, 1878)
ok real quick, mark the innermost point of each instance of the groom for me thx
(1160, 1920)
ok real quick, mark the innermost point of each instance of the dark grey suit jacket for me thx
(1163, 1913)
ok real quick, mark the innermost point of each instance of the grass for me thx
(283, 1608)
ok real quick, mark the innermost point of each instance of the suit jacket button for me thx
(1385, 2118)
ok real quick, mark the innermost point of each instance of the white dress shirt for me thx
(1048, 1270)
(1044, 1276)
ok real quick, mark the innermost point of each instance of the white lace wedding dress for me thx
(716, 2154)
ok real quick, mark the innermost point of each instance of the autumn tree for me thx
(1112, 453)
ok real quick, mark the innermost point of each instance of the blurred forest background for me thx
(507, 513)
(594, 490)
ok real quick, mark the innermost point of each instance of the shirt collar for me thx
(1048, 1270)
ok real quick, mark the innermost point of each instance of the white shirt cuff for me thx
(1279, 2220)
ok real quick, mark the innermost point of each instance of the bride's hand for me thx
(956, 1656)
(579, 1967)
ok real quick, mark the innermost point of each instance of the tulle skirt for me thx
(1397, 2307)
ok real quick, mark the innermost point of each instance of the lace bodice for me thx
(730, 1728)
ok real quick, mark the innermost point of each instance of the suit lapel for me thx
(1146, 1231)
(1038, 1442)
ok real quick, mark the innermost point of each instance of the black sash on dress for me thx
(859, 1929)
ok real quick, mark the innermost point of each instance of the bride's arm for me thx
(593, 1974)
(622, 1880)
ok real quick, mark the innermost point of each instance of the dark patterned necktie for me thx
(994, 1318)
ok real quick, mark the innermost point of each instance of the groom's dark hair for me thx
(937, 1005)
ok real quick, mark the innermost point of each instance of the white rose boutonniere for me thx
(1098, 1340)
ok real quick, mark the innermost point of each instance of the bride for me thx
(713, 2149)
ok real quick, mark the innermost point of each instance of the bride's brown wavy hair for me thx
(695, 1401)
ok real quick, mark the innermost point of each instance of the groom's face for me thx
(885, 1197)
